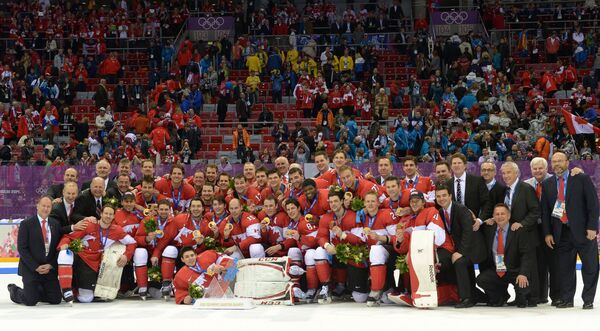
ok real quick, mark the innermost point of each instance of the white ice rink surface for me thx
(157, 315)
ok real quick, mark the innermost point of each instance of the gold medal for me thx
(367, 230)
(266, 221)
(147, 212)
(309, 218)
(348, 195)
(229, 226)
(212, 225)
(398, 211)
(197, 234)
(159, 233)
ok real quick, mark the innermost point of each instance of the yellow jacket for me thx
(252, 82)
(312, 67)
(253, 63)
(292, 56)
(346, 63)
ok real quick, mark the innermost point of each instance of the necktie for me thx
(410, 182)
(507, 198)
(98, 207)
(500, 249)
(70, 210)
(458, 191)
(44, 231)
(538, 190)
(561, 198)
(448, 220)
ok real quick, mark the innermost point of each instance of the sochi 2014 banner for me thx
(211, 27)
(447, 23)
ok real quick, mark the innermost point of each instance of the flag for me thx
(578, 125)
(522, 43)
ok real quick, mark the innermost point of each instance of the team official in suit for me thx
(123, 186)
(525, 211)
(469, 190)
(88, 205)
(55, 191)
(497, 189)
(102, 171)
(63, 210)
(510, 257)
(384, 168)
(36, 243)
(547, 263)
(570, 218)
(468, 244)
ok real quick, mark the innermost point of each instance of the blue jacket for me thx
(467, 101)
(590, 115)
(167, 53)
(277, 82)
(274, 62)
(352, 129)
(405, 140)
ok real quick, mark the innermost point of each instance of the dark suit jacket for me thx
(468, 243)
(55, 191)
(519, 254)
(476, 196)
(60, 214)
(85, 206)
(525, 207)
(114, 192)
(497, 194)
(581, 204)
(32, 253)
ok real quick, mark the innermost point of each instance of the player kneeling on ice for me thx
(84, 266)
(441, 276)
(199, 270)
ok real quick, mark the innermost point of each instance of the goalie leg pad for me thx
(263, 270)
(262, 290)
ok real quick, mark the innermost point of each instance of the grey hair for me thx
(488, 161)
(537, 160)
(512, 165)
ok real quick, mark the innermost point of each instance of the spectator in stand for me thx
(101, 95)
(241, 141)
(280, 132)
(380, 111)
(325, 121)
(242, 108)
(552, 47)
(121, 97)
(265, 119)
(102, 118)
(222, 109)
(252, 83)
(277, 82)
(110, 68)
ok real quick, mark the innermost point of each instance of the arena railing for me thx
(282, 41)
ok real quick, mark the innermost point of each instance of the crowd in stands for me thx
(465, 93)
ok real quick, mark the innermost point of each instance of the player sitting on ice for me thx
(199, 269)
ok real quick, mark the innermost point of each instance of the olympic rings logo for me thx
(211, 23)
(454, 17)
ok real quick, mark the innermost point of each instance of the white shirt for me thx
(491, 184)
(463, 180)
(48, 232)
(68, 207)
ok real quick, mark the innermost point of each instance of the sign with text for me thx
(211, 28)
(447, 23)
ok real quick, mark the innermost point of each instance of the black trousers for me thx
(35, 291)
(496, 287)
(547, 265)
(464, 271)
(567, 251)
